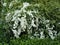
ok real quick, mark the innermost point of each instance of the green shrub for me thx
(47, 10)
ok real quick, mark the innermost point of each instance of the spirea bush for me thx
(32, 18)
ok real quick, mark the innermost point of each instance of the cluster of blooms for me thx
(27, 21)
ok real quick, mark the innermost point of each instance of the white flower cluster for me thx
(26, 21)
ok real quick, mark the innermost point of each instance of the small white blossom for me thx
(58, 23)
(36, 34)
(42, 35)
(32, 23)
(23, 22)
(8, 17)
(51, 34)
(25, 5)
(47, 20)
(15, 33)
(30, 13)
(17, 12)
(15, 24)
(19, 31)
(55, 33)
(5, 4)
(11, 4)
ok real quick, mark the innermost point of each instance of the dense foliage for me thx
(35, 18)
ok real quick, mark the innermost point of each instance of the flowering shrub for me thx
(26, 17)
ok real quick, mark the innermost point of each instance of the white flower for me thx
(42, 35)
(25, 4)
(32, 23)
(19, 30)
(15, 33)
(58, 23)
(55, 33)
(31, 37)
(47, 25)
(47, 20)
(15, 24)
(30, 13)
(36, 34)
(17, 12)
(51, 34)
(8, 17)
(23, 22)
(13, 19)
(11, 4)
(49, 28)
(5, 4)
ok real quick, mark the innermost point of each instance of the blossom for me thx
(8, 17)
(51, 34)
(15, 33)
(11, 4)
(59, 23)
(42, 35)
(4, 4)
(25, 4)
(32, 23)
(30, 13)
